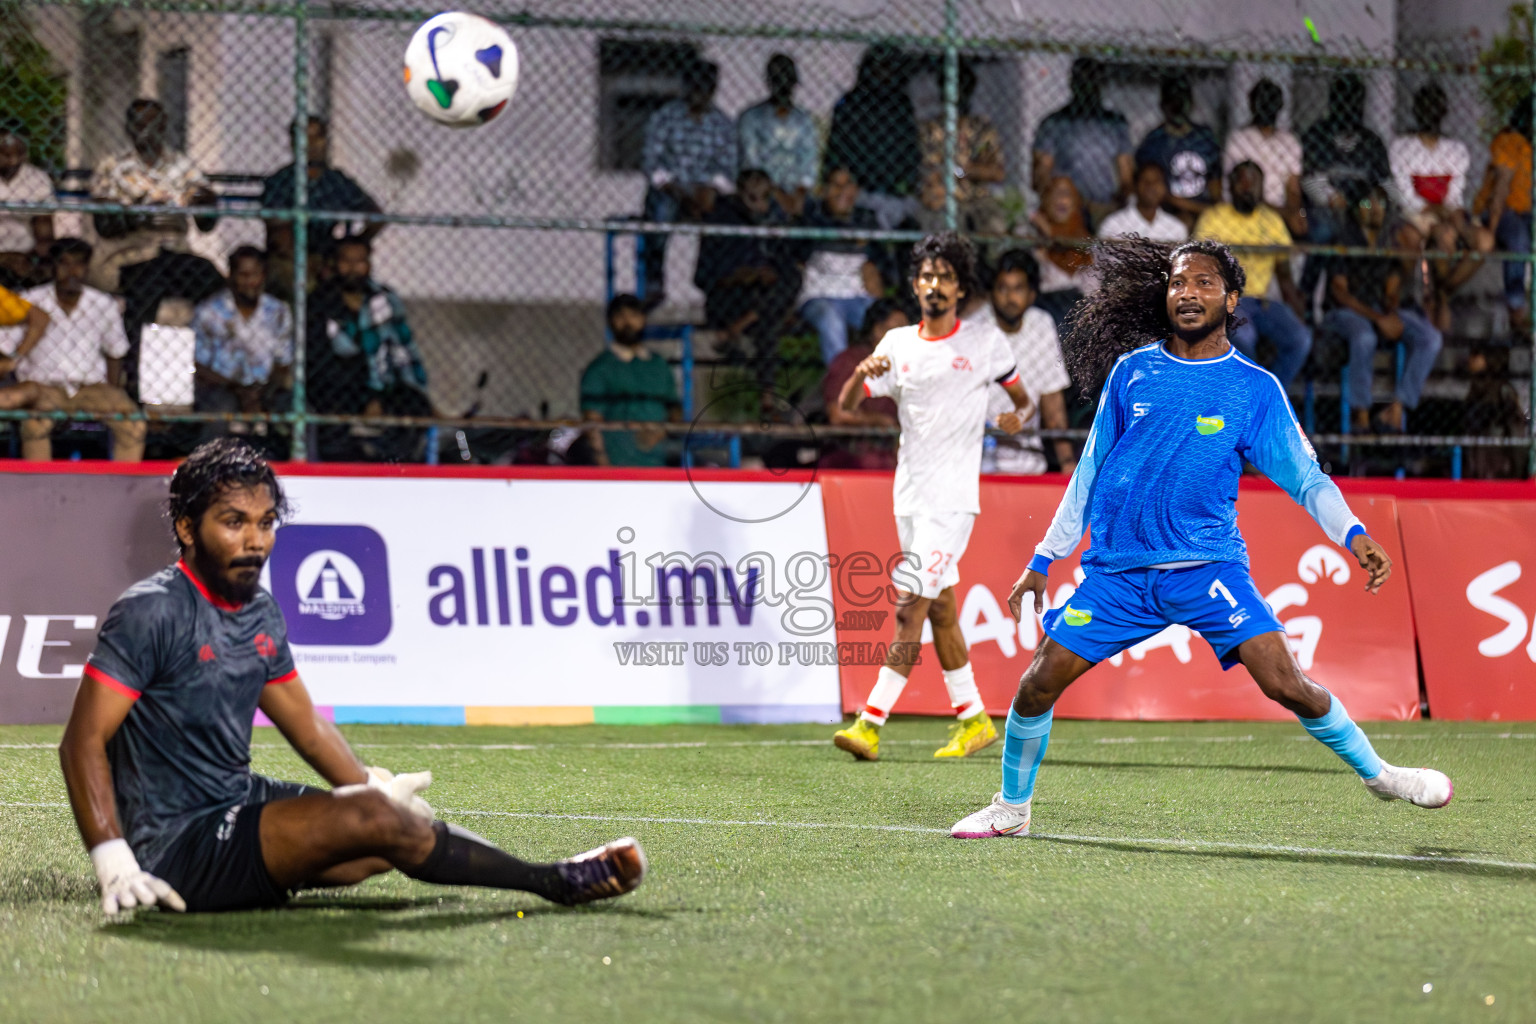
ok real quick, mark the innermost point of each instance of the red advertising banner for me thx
(1472, 570)
(1359, 646)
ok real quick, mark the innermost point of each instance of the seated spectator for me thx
(979, 162)
(874, 135)
(629, 382)
(1187, 152)
(1339, 156)
(364, 360)
(1144, 214)
(1364, 307)
(1031, 334)
(1277, 152)
(73, 365)
(24, 238)
(1244, 221)
(747, 281)
(1504, 204)
(327, 189)
(862, 453)
(1428, 169)
(689, 159)
(840, 276)
(781, 138)
(1066, 271)
(244, 354)
(1085, 143)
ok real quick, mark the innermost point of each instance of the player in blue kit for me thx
(157, 751)
(1180, 413)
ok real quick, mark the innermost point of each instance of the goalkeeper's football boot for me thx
(999, 818)
(1422, 787)
(605, 872)
(861, 739)
(969, 735)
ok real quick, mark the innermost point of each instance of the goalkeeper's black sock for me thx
(462, 858)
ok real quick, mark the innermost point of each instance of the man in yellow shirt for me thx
(15, 311)
(1246, 221)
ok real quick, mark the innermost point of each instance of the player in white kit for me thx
(938, 372)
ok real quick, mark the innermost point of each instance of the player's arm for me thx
(1013, 422)
(314, 739)
(875, 365)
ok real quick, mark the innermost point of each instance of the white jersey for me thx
(940, 388)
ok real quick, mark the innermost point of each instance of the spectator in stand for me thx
(1144, 214)
(1066, 269)
(979, 162)
(75, 364)
(860, 453)
(364, 360)
(1428, 169)
(689, 159)
(1340, 156)
(16, 311)
(24, 238)
(1364, 307)
(328, 189)
(841, 276)
(1504, 204)
(1248, 221)
(1085, 143)
(782, 139)
(1187, 152)
(1277, 152)
(748, 283)
(874, 136)
(1031, 334)
(629, 382)
(244, 354)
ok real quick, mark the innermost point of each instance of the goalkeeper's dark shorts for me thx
(216, 864)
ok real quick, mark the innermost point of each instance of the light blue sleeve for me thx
(1279, 448)
(1071, 517)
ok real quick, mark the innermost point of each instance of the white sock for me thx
(882, 699)
(963, 695)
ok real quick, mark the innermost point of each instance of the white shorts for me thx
(936, 542)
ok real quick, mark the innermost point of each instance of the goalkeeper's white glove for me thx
(401, 789)
(125, 885)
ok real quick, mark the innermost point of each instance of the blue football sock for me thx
(1024, 743)
(1337, 731)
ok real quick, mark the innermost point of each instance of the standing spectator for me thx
(858, 453)
(979, 162)
(1031, 334)
(1085, 143)
(1428, 169)
(74, 366)
(874, 136)
(1339, 156)
(1363, 303)
(1144, 214)
(747, 282)
(1504, 203)
(328, 189)
(1277, 152)
(24, 239)
(629, 382)
(1188, 153)
(244, 354)
(689, 159)
(1244, 221)
(841, 276)
(780, 138)
(1066, 272)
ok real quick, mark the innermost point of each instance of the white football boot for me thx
(999, 818)
(1422, 787)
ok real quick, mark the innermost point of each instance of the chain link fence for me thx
(752, 175)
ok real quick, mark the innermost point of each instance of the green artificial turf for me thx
(749, 915)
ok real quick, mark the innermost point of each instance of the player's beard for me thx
(221, 579)
(935, 306)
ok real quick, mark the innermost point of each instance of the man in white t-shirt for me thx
(938, 372)
(1031, 334)
(1276, 152)
(1144, 214)
(24, 238)
(1429, 170)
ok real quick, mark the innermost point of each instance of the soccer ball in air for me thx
(460, 69)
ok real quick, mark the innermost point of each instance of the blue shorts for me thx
(1115, 610)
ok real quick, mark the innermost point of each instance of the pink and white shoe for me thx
(1422, 787)
(999, 818)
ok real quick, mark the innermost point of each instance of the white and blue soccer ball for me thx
(461, 69)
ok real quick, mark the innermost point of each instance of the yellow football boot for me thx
(969, 735)
(861, 739)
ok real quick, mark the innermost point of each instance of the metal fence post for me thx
(300, 450)
(951, 112)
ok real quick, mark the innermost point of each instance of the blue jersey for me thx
(1157, 483)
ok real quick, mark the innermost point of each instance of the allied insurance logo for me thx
(332, 583)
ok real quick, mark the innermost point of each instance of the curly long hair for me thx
(953, 248)
(215, 467)
(1130, 309)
